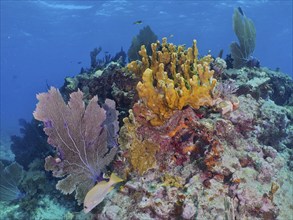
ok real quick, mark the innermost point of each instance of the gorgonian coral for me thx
(10, 178)
(84, 138)
(145, 37)
(246, 34)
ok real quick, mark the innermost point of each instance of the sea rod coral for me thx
(84, 138)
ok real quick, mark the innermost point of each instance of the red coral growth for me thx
(182, 138)
(213, 154)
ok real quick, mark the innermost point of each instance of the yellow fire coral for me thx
(141, 153)
(173, 181)
(171, 79)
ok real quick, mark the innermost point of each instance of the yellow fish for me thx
(97, 194)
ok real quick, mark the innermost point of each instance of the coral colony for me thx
(192, 140)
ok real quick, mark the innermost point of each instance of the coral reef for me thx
(38, 196)
(191, 146)
(97, 64)
(273, 126)
(210, 165)
(262, 83)
(273, 91)
(84, 138)
(172, 79)
(112, 82)
(218, 65)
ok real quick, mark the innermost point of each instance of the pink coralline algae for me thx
(84, 138)
(184, 136)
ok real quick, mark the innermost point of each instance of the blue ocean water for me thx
(199, 162)
(42, 42)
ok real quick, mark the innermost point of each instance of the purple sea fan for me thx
(81, 135)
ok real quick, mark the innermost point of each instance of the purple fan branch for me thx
(77, 149)
(85, 138)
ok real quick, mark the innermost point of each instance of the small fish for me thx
(171, 35)
(79, 62)
(137, 22)
(240, 10)
(97, 194)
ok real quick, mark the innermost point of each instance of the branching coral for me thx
(172, 78)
